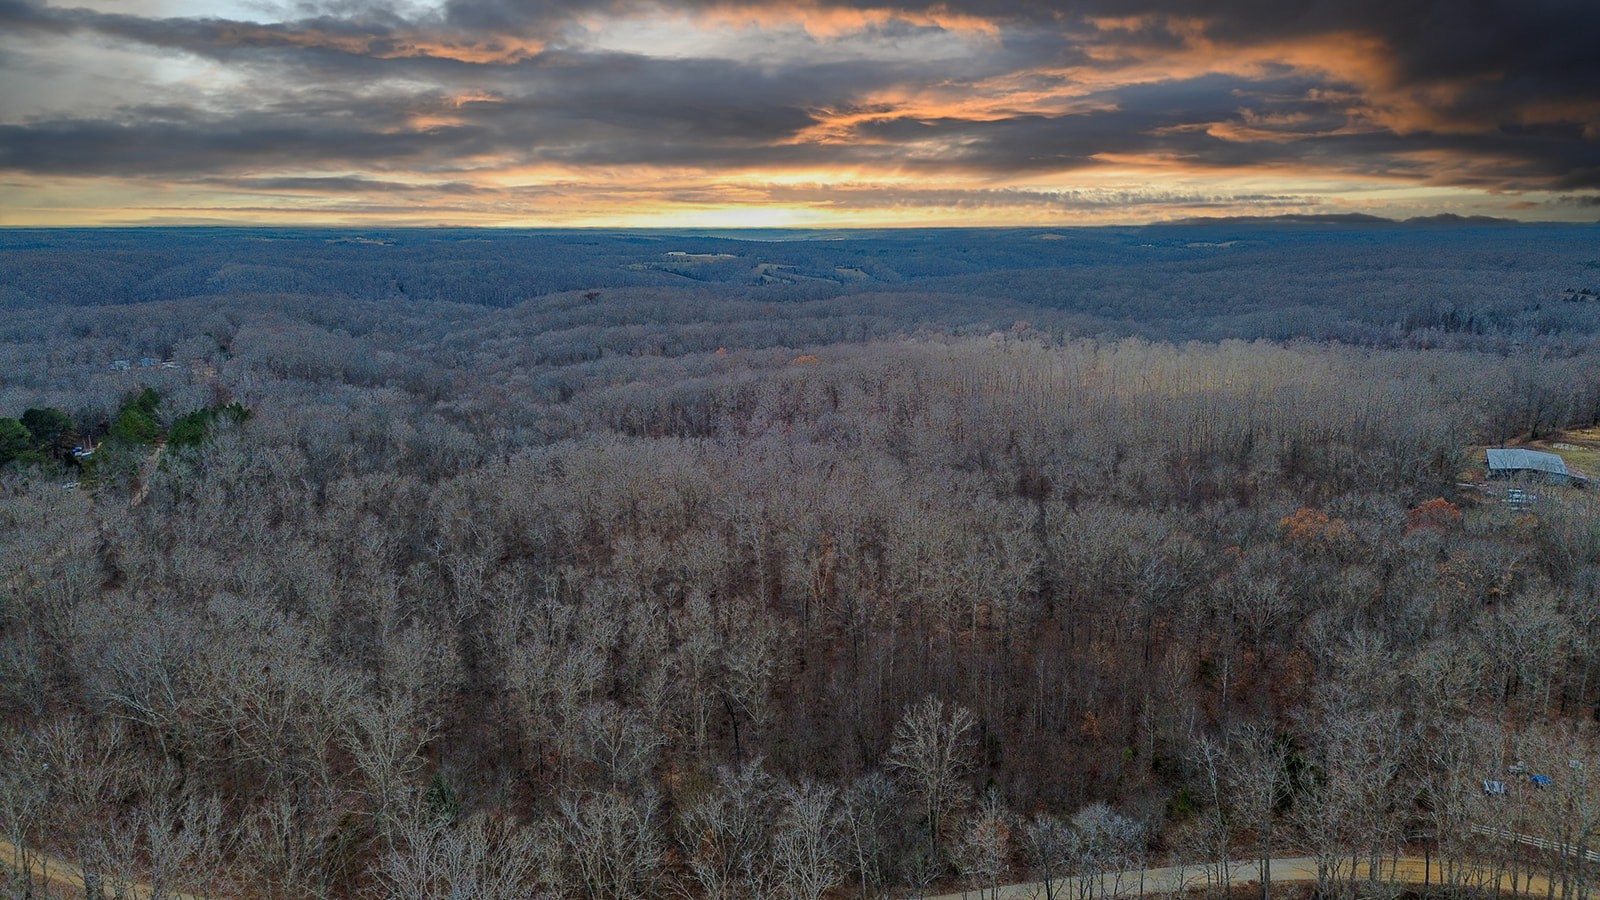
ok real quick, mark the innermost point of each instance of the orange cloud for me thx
(481, 50)
(827, 21)
(1380, 96)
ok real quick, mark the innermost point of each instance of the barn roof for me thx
(1526, 460)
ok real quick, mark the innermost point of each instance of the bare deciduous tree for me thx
(24, 803)
(603, 846)
(982, 854)
(480, 859)
(933, 747)
(1255, 778)
(806, 843)
(726, 833)
(386, 737)
(1050, 848)
(866, 814)
(1109, 843)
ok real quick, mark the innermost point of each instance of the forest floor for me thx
(146, 473)
(59, 877)
(1171, 880)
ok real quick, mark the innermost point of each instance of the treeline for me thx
(648, 594)
(1388, 285)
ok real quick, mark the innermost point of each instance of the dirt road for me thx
(66, 879)
(1174, 879)
(58, 874)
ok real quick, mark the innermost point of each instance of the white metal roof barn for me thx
(1506, 462)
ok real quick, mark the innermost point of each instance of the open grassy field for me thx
(1579, 447)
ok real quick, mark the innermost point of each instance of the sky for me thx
(803, 113)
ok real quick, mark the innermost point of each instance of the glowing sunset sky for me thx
(805, 112)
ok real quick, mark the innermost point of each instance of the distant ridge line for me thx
(1440, 220)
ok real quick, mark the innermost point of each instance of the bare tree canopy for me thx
(500, 565)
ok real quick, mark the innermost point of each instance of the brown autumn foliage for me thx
(1438, 514)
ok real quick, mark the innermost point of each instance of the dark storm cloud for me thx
(97, 147)
(1503, 59)
(708, 100)
(1542, 41)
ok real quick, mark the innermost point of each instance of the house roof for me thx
(1527, 460)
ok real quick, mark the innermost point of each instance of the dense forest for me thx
(501, 564)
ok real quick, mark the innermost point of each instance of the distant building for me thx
(1508, 463)
(149, 362)
(121, 365)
